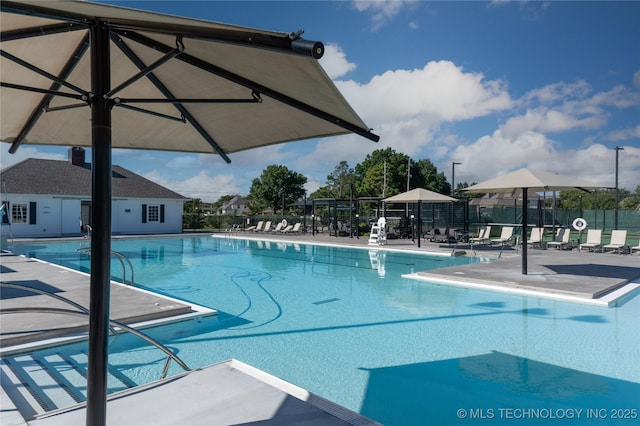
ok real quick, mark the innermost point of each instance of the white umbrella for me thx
(75, 73)
(420, 196)
(525, 180)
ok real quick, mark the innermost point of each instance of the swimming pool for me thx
(345, 325)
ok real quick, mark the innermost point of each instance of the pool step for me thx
(41, 382)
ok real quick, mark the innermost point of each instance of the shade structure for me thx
(75, 73)
(525, 180)
(419, 196)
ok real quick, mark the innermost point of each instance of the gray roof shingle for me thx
(55, 177)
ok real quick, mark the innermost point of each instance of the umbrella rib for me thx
(37, 70)
(40, 109)
(119, 42)
(242, 81)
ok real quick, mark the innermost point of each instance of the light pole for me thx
(617, 148)
(453, 187)
(453, 177)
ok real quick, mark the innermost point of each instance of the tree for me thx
(276, 187)
(223, 200)
(427, 177)
(383, 173)
(340, 181)
(193, 217)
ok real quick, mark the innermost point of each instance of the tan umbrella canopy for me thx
(75, 73)
(525, 180)
(419, 195)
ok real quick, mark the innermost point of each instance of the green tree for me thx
(631, 201)
(383, 173)
(193, 216)
(601, 200)
(223, 200)
(277, 187)
(427, 177)
(340, 181)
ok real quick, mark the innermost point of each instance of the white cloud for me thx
(207, 188)
(438, 92)
(381, 11)
(28, 151)
(636, 79)
(334, 61)
(624, 134)
(595, 163)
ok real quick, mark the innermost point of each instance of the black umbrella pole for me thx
(99, 293)
(525, 220)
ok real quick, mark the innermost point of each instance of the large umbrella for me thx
(525, 180)
(419, 196)
(70, 69)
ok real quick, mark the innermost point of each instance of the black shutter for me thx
(144, 213)
(161, 213)
(7, 211)
(32, 213)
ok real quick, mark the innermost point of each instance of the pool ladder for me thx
(121, 258)
(38, 380)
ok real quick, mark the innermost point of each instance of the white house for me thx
(51, 198)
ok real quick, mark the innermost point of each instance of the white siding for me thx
(57, 217)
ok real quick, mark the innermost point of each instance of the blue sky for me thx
(495, 86)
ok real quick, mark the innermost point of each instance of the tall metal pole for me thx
(99, 292)
(525, 221)
(618, 149)
(453, 177)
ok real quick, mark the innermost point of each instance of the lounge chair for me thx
(267, 226)
(279, 227)
(292, 228)
(618, 241)
(535, 237)
(505, 235)
(634, 248)
(561, 240)
(257, 227)
(483, 236)
(594, 238)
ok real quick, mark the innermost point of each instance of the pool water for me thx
(343, 324)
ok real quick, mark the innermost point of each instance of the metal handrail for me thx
(167, 351)
(120, 257)
(53, 295)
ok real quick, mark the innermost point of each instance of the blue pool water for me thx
(343, 323)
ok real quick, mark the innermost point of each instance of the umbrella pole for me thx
(101, 223)
(524, 230)
(419, 224)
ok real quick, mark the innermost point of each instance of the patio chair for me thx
(257, 227)
(293, 229)
(267, 226)
(505, 235)
(634, 248)
(562, 239)
(279, 227)
(483, 236)
(594, 240)
(618, 241)
(536, 237)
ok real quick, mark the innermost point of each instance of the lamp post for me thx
(453, 188)
(617, 148)
(453, 177)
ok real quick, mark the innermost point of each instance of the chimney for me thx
(76, 156)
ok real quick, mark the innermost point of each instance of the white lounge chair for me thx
(505, 235)
(257, 227)
(618, 241)
(267, 226)
(594, 240)
(483, 236)
(292, 228)
(535, 237)
(561, 240)
(279, 227)
(634, 248)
